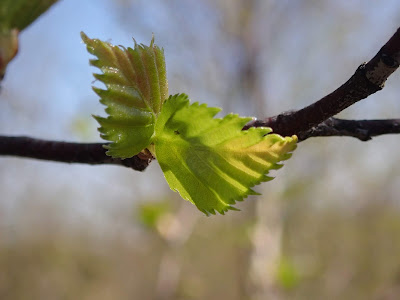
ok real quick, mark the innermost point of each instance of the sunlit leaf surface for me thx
(136, 83)
(212, 162)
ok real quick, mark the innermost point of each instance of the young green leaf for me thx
(137, 86)
(212, 162)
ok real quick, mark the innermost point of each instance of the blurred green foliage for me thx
(287, 275)
(18, 14)
(326, 255)
(149, 214)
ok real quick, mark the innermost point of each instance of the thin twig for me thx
(92, 153)
(363, 130)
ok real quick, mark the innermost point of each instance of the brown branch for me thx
(369, 78)
(93, 153)
(363, 130)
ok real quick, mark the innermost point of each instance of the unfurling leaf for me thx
(137, 86)
(212, 162)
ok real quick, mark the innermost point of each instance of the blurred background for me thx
(328, 225)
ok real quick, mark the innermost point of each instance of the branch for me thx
(369, 78)
(363, 130)
(93, 153)
(311, 121)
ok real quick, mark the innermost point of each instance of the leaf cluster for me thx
(210, 161)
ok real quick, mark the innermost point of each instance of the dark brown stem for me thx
(93, 153)
(363, 130)
(369, 78)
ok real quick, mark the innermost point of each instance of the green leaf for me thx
(18, 14)
(136, 82)
(212, 162)
(15, 15)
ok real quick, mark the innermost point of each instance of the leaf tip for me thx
(152, 40)
(100, 92)
(252, 192)
(84, 37)
(97, 118)
(230, 207)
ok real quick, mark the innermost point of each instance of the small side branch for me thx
(92, 153)
(363, 130)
